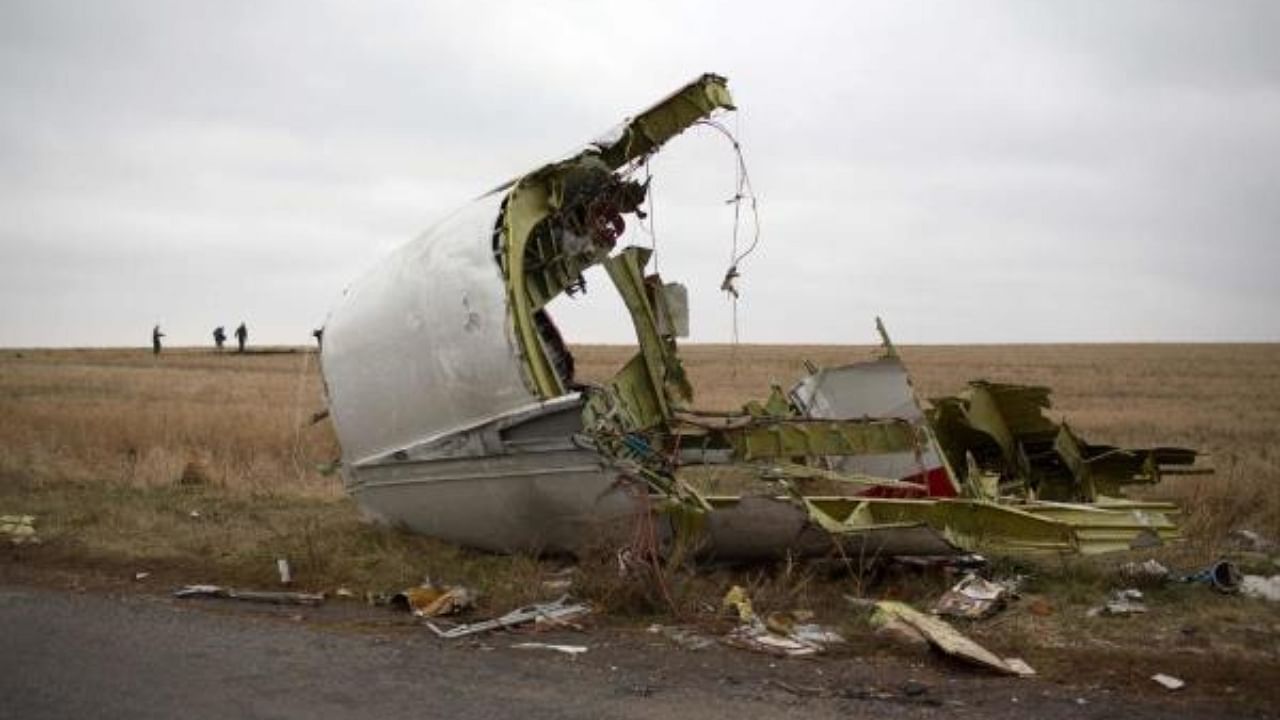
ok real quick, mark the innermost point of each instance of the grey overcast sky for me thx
(973, 172)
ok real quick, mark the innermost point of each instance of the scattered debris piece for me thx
(262, 596)
(560, 581)
(756, 637)
(783, 623)
(1222, 576)
(1020, 666)
(892, 628)
(972, 598)
(282, 566)
(1250, 541)
(1258, 586)
(20, 529)
(429, 600)
(194, 514)
(343, 593)
(684, 637)
(140, 576)
(816, 635)
(1121, 602)
(560, 611)
(1149, 571)
(738, 599)
(780, 633)
(573, 650)
(1168, 681)
(944, 637)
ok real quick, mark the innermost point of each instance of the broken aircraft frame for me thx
(454, 400)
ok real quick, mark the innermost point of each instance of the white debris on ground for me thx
(972, 598)
(1151, 570)
(1261, 587)
(20, 529)
(571, 650)
(1168, 681)
(1121, 602)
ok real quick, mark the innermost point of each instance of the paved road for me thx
(66, 655)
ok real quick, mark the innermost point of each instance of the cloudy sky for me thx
(973, 172)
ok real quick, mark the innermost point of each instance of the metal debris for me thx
(802, 640)
(559, 612)
(260, 596)
(20, 529)
(1261, 587)
(780, 633)
(738, 600)
(684, 637)
(1019, 667)
(972, 598)
(1251, 541)
(431, 601)
(1121, 602)
(454, 398)
(282, 567)
(944, 637)
(1221, 575)
(1168, 681)
(572, 650)
(1151, 571)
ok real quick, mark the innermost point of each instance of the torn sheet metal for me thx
(570, 650)
(272, 597)
(973, 598)
(1003, 429)
(433, 601)
(560, 611)
(877, 389)
(19, 529)
(455, 400)
(944, 637)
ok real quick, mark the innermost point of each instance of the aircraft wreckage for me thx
(455, 403)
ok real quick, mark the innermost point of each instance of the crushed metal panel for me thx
(876, 389)
(413, 352)
(755, 527)
(453, 397)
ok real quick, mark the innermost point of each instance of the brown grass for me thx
(237, 422)
(113, 449)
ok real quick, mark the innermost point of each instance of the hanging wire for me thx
(742, 191)
(649, 228)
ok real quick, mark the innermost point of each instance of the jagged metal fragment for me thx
(459, 413)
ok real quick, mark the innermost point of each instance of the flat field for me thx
(191, 420)
(201, 467)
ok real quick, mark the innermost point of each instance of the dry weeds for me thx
(113, 449)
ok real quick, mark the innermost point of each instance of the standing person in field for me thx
(242, 336)
(219, 337)
(155, 340)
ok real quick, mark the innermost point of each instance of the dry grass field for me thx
(240, 423)
(238, 426)
(198, 467)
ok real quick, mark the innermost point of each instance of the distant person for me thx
(242, 336)
(219, 337)
(155, 340)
